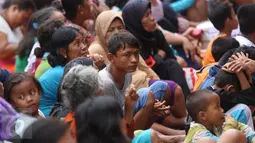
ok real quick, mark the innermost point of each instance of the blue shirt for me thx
(50, 81)
(181, 5)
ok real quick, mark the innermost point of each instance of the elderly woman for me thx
(78, 85)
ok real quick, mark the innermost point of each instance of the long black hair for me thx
(98, 120)
(36, 19)
(45, 131)
(61, 39)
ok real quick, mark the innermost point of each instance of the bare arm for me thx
(243, 80)
(7, 50)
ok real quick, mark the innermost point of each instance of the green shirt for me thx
(43, 67)
(21, 63)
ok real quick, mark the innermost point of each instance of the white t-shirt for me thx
(243, 41)
(157, 11)
(14, 35)
(111, 88)
(32, 58)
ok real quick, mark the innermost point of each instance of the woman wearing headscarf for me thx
(154, 47)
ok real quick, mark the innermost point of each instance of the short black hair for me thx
(250, 50)
(118, 3)
(224, 78)
(197, 102)
(44, 34)
(121, 39)
(218, 13)
(246, 18)
(22, 4)
(224, 59)
(70, 7)
(222, 45)
(17, 78)
(41, 131)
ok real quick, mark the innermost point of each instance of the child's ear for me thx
(202, 115)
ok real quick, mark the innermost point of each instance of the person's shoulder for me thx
(195, 132)
(105, 75)
(53, 73)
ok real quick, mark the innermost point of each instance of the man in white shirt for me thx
(246, 21)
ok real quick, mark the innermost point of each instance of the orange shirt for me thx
(208, 59)
(71, 120)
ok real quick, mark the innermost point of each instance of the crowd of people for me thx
(122, 71)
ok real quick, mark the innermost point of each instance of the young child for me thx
(209, 118)
(23, 91)
(222, 16)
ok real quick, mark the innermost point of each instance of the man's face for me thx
(126, 59)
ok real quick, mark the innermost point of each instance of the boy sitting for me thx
(209, 119)
(222, 16)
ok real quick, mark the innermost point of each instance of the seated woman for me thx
(14, 15)
(29, 43)
(154, 48)
(78, 85)
(66, 44)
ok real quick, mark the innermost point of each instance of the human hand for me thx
(239, 56)
(98, 60)
(230, 123)
(161, 53)
(160, 110)
(131, 97)
(189, 48)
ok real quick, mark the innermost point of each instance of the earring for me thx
(65, 56)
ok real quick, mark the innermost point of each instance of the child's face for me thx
(214, 115)
(25, 97)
